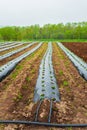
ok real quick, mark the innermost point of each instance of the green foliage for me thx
(61, 72)
(53, 87)
(18, 98)
(48, 31)
(65, 83)
(27, 79)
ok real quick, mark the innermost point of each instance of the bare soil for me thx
(79, 49)
(4, 61)
(16, 94)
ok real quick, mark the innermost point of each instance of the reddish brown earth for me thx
(79, 49)
(12, 49)
(17, 91)
(4, 61)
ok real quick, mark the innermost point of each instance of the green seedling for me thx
(54, 99)
(43, 85)
(42, 96)
(43, 81)
(43, 90)
(53, 87)
(53, 92)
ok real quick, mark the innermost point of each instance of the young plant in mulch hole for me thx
(42, 96)
(51, 77)
(50, 72)
(0, 70)
(43, 90)
(53, 87)
(42, 77)
(43, 85)
(53, 93)
(52, 82)
(42, 74)
(43, 81)
(54, 99)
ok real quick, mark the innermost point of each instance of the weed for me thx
(33, 71)
(19, 97)
(24, 86)
(27, 79)
(70, 128)
(14, 74)
(61, 72)
(65, 83)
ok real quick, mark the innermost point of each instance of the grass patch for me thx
(65, 83)
(60, 72)
(18, 98)
(27, 79)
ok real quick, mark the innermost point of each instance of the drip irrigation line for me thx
(37, 111)
(50, 113)
(41, 123)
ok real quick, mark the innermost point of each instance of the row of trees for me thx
(48, 31)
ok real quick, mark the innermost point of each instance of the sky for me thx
(30, 12)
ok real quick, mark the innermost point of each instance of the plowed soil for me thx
(17, 91)
(80, 49)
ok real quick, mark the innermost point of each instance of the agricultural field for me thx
(43, 82)
(78, 48)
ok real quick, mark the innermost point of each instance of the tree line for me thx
(48, 31)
